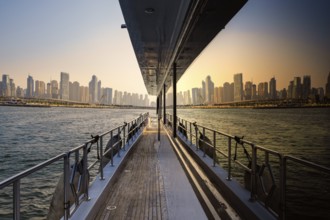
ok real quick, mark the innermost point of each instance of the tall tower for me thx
(226, 92)
(238, 87)
(64, 86)
(306, 87)
(296, 91)
(6, 91)
(272, 88)
(29, 87)
(54, 89)
(93, 89)
(99, 91)
(248, 91)
(209, 90)
(203, 94)
(327, 87)
(194, 94)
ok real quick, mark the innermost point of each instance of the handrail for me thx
(255, 169)
(69, 173)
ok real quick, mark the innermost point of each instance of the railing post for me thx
(214, 148)
(185, 122)
(118, 145)
(196, 131)
(66, 173)
(101, 158)
(85, 172)
(229, 158)
(17, 200)
(128, 133)
(124, 136)
(253, 173)
(283, 169)
(111, 145)
(174, 99)
(204, 155)
(190, 133)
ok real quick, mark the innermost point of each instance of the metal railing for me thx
(77, 160)
(264, 170)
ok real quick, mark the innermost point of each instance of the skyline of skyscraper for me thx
(30, 87)
(238, 87)
(209, 90)
(272, 88)
(93, 89)
(64, 86)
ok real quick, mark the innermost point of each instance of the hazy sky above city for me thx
(282, 38)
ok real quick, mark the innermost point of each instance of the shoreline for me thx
(75, 106)
(168, 107)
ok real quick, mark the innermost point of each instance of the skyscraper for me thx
(254, 92)
(64, 86)
(238, 87)
(306, 87)
(217, 95)
(203, 94)
(6, 90)
(99, 90)
(226, 92)
(248, 90)
(39, 89)
(54, 89)
(272, 88)
(263, 90)
(194, 94)
(12, 87)
(30, 87)
(84, 94)
(93, 89)
(290, 90)
(49, 90)
(209, 90)
(75, 91)
(296, 90)
(327, 88)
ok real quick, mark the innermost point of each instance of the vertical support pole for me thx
(282, 187)
(190, 134)
(157, 108)
(124, 136)
(186, 129)
(158, 112)
(118, 143)
(174, 100)
(164, 97)
(128, 132)
(66, 183)
(111, 147)
(85, 172)
(214, 148)
(196, 133)
(17, 200)
(229, 158)
(254, 174)
(204, 143)
(101, 157)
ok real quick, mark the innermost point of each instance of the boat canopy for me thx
(164, 32)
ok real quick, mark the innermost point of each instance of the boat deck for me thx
(152, 184)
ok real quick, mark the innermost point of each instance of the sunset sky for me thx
(282, 38)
